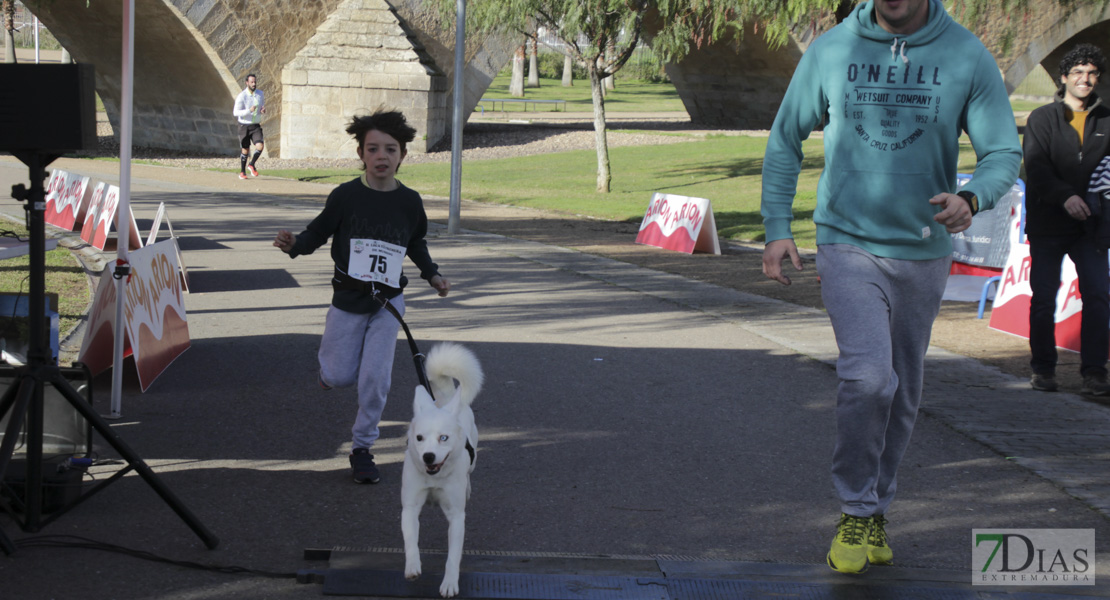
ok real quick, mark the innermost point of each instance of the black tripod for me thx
(24, 398)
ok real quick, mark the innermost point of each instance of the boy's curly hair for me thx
(1083, 54)
(390, 122)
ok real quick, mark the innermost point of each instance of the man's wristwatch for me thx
(972, 201)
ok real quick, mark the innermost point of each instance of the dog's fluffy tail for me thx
(447, 363)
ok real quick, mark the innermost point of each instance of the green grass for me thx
(629, 96)
(1025, 105)
(724, 169)
(64, 276)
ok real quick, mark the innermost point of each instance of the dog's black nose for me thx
(429, 458)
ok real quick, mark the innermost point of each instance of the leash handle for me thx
(417, 355)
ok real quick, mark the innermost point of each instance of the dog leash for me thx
(418, 360)
(417, 355)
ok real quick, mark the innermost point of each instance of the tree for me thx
(8, 8)
(691, 24)
(516, 84)
(602, 34)
(610, 82)
(533, 61)
(588, 27)
(568, 70)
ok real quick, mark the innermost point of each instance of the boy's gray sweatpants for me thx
(882, 312)
(359, 348)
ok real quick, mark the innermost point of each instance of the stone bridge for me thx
(322, 61)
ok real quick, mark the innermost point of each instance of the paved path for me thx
(629, 413)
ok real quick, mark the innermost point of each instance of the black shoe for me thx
(362, 463)
(1045, 383)
(1095, 385)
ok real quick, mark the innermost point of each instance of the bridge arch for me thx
(174, 107)
(191, 57)
(1043, 38)
(319, 62)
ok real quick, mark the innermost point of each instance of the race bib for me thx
(376, 261)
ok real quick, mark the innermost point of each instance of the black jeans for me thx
(1093, 271)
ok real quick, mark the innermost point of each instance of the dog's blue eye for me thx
(443, 438)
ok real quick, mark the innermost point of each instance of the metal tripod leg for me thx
(81, 405)
(42, 368)
(15, 401)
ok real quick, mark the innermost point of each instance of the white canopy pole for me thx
(123, 212)
(454, 206)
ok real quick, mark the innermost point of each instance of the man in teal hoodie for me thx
(895, 85)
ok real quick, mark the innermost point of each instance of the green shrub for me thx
(551, 66)
(645, 65)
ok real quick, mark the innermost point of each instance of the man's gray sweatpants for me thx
(882, 312)
(358, 348)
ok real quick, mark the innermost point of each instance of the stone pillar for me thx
(723, 87)
(360, 59)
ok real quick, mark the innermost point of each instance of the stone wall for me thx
(735, 83)
(361, 58)
(1021, 42)
(320, 62)
(483, 56)
(258, 38)
(178, 86)
(736, 86)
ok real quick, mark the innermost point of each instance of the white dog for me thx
(442, 448)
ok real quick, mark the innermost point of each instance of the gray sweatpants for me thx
(882, 312)
(359, 349)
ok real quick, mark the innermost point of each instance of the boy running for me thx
(374, 222)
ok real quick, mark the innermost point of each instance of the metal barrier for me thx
(525, 101)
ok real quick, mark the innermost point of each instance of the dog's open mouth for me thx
(433, 469)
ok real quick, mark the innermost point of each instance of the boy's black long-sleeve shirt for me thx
(355, 211)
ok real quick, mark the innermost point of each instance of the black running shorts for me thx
(250, 135)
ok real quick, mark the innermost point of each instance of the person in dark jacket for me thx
(1064, 143)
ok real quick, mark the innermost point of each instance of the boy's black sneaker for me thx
(1043, 383)
(362, 463)
(1095, 385)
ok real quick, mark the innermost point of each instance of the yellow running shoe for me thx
(848, 553)
(878, 551)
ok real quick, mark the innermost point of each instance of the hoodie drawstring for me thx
(894, 51)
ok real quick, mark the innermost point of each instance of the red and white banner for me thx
(54, 188)
(155, 324)
(65, 199)
(92, 213)
(679, 223)
(101, 215)
(1010, 312)
(106, 201)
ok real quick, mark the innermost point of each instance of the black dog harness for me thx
(343, 281)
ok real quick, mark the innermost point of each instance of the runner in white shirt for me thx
(250, 105)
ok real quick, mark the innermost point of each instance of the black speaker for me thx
(47, 108)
